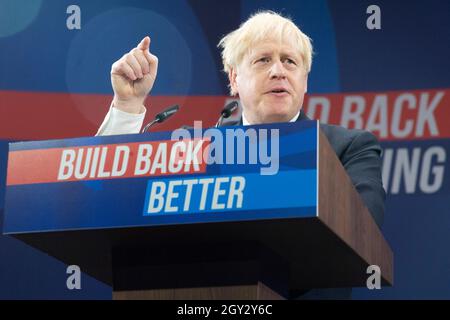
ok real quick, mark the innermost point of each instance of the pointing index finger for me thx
(144, 44)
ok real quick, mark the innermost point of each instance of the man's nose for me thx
(277, 70)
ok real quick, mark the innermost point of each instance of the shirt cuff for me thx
(120, 122)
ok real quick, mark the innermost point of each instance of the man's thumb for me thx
(144, 44)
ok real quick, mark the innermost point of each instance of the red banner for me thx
(112, 161)
(393, 115)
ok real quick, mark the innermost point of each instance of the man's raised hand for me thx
(133, 76)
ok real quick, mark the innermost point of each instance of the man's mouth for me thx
(278, 92)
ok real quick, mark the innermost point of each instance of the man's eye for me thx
(264, 60)
(290, 61)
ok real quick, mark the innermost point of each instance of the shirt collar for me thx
(246, 123)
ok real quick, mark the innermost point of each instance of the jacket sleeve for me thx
(362, 160)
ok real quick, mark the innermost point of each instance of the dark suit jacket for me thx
(360, 154)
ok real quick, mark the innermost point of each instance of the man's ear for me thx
(306, 83)
(233, 84)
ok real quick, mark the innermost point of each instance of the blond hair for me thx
(260, 26)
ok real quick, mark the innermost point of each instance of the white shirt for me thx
(120, 122)
(246, 123)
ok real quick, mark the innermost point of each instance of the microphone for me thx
(162, 116)
(226, 112)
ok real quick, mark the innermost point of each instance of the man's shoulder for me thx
(343, 139)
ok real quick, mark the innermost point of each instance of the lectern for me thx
(255, 212)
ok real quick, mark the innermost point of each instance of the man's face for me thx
(271, 82)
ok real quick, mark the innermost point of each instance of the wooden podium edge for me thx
(257, 291)
(351, 221)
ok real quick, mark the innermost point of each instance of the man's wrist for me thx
(135, 107)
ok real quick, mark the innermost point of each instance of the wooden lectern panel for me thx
(258, 291)
(343, 211)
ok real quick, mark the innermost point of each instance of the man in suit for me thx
(267, 60)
